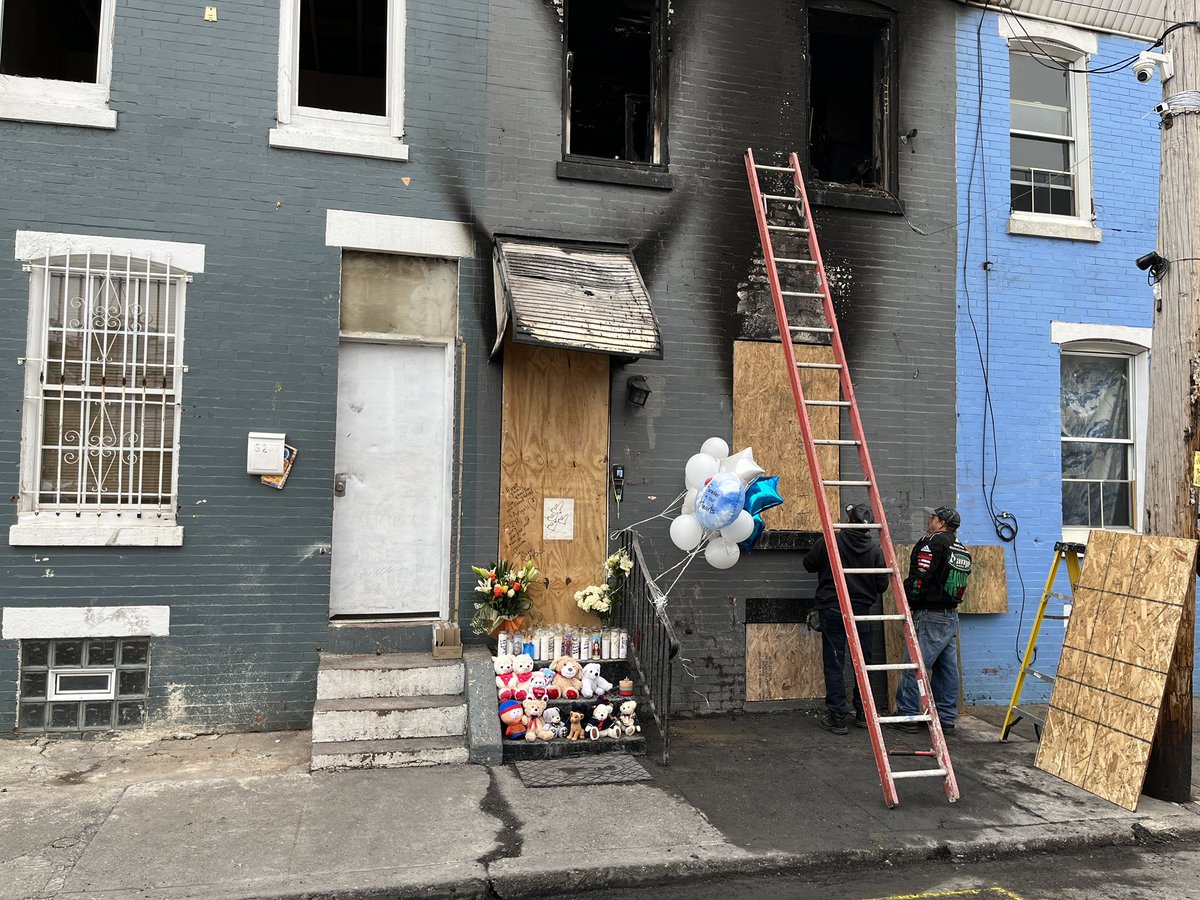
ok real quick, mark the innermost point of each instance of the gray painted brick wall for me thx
(737, 79)
(189, 161)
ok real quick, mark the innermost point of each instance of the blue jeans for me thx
(937, 635)
(834, 650)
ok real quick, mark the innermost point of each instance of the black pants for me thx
(834, 650)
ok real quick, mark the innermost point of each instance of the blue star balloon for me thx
(747, 545)
(763, 495)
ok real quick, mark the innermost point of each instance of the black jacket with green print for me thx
(928, 567)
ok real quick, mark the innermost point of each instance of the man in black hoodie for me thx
(858, 550)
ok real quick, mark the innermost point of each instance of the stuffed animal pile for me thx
(526, 700)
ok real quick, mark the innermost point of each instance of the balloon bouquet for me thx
(722, 508)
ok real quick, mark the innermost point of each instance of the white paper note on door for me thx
(558, 519)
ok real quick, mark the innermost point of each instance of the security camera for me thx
(1147, 62)
(1151, 261)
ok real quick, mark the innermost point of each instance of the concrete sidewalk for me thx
(239, 816)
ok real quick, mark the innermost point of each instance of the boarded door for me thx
(555, 448)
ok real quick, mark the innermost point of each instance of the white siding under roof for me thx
(1133, 18)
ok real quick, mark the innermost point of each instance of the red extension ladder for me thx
(811, 263)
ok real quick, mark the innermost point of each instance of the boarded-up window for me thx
(399, 296)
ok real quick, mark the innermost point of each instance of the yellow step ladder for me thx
(1069, 553)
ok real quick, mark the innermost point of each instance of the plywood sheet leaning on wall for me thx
(783, 662)
(555, 445)
(1113, 669)
(764, 417)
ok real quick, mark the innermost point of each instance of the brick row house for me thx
(426, 247)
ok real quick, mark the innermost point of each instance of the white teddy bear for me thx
(601, 724)
(594, 684)
(503, 666)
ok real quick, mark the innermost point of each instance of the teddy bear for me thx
(512, 716)
(567, 680)
(535, 727)
(522, 673)
(503, 667)
(551, 692)
(538, 686)
(576, 733)
(627, 719)
(600, 724)
(594, 684)
(552, 719)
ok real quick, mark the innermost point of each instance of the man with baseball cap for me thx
(937, 573)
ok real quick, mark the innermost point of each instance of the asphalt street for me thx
(1115, 873)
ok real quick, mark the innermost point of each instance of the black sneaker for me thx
(906, 727)
(947, 728)
(833, 723)
(860, 721)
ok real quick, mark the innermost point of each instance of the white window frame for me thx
(108, 693)
(333, 131)
(1072, 47)
(55, 102)
(38, 525)
(1133, 344)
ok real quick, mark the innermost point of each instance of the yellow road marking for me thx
(994, 891)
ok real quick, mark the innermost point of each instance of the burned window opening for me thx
(343, 56)
(613, 76)
(55, 40)
(851, 100)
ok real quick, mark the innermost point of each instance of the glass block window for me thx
(83, 685)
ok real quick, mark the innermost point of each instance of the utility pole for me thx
(1174, 438)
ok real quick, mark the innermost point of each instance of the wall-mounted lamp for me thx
(639, 393)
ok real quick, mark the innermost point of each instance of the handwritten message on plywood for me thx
(783, 662)
(1113, 669)
(764, 417)
(555, 446)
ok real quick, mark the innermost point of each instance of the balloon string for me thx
(660, 515)
(687, 562)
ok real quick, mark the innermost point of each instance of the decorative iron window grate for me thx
(110, 373)
(84, 685)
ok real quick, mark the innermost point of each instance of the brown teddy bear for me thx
(535, 728)
(576, 733)
(568, 677)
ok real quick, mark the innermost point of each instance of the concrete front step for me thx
(386, 718)
(560, 748)
(388, 675)
(388, 754)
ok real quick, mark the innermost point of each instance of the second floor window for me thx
(1048, 113)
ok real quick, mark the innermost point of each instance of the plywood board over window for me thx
(764, 417)
(783, 662)
(555, 446)
(1116, 654)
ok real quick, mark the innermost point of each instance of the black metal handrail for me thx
(652, 641)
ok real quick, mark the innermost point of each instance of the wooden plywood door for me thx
(764, 417)
(555, 445)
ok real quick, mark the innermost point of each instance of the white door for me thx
(391, 522)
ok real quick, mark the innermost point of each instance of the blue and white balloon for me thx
(720, 502)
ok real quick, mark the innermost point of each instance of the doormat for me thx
(599, 768)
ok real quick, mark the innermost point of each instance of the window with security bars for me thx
(1043, 143)
(107, 340)
(83, 685)
(1098, 484)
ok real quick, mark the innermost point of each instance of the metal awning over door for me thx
(575, 296)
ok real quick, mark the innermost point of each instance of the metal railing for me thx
(652, 642)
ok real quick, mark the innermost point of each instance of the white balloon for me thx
(742, 528)
(721, 554)
(686, 532)
(716, 448)
(689, 502)
(699, 469)
(730, 463)
(748, 471)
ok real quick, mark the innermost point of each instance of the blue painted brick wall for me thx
(1033, 282)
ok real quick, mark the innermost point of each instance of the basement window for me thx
(614, 75)
(56, 62)
(852, 100)
(341, 77)
(83, 685)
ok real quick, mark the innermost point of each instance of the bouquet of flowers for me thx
(603, 599)
(504, 595)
